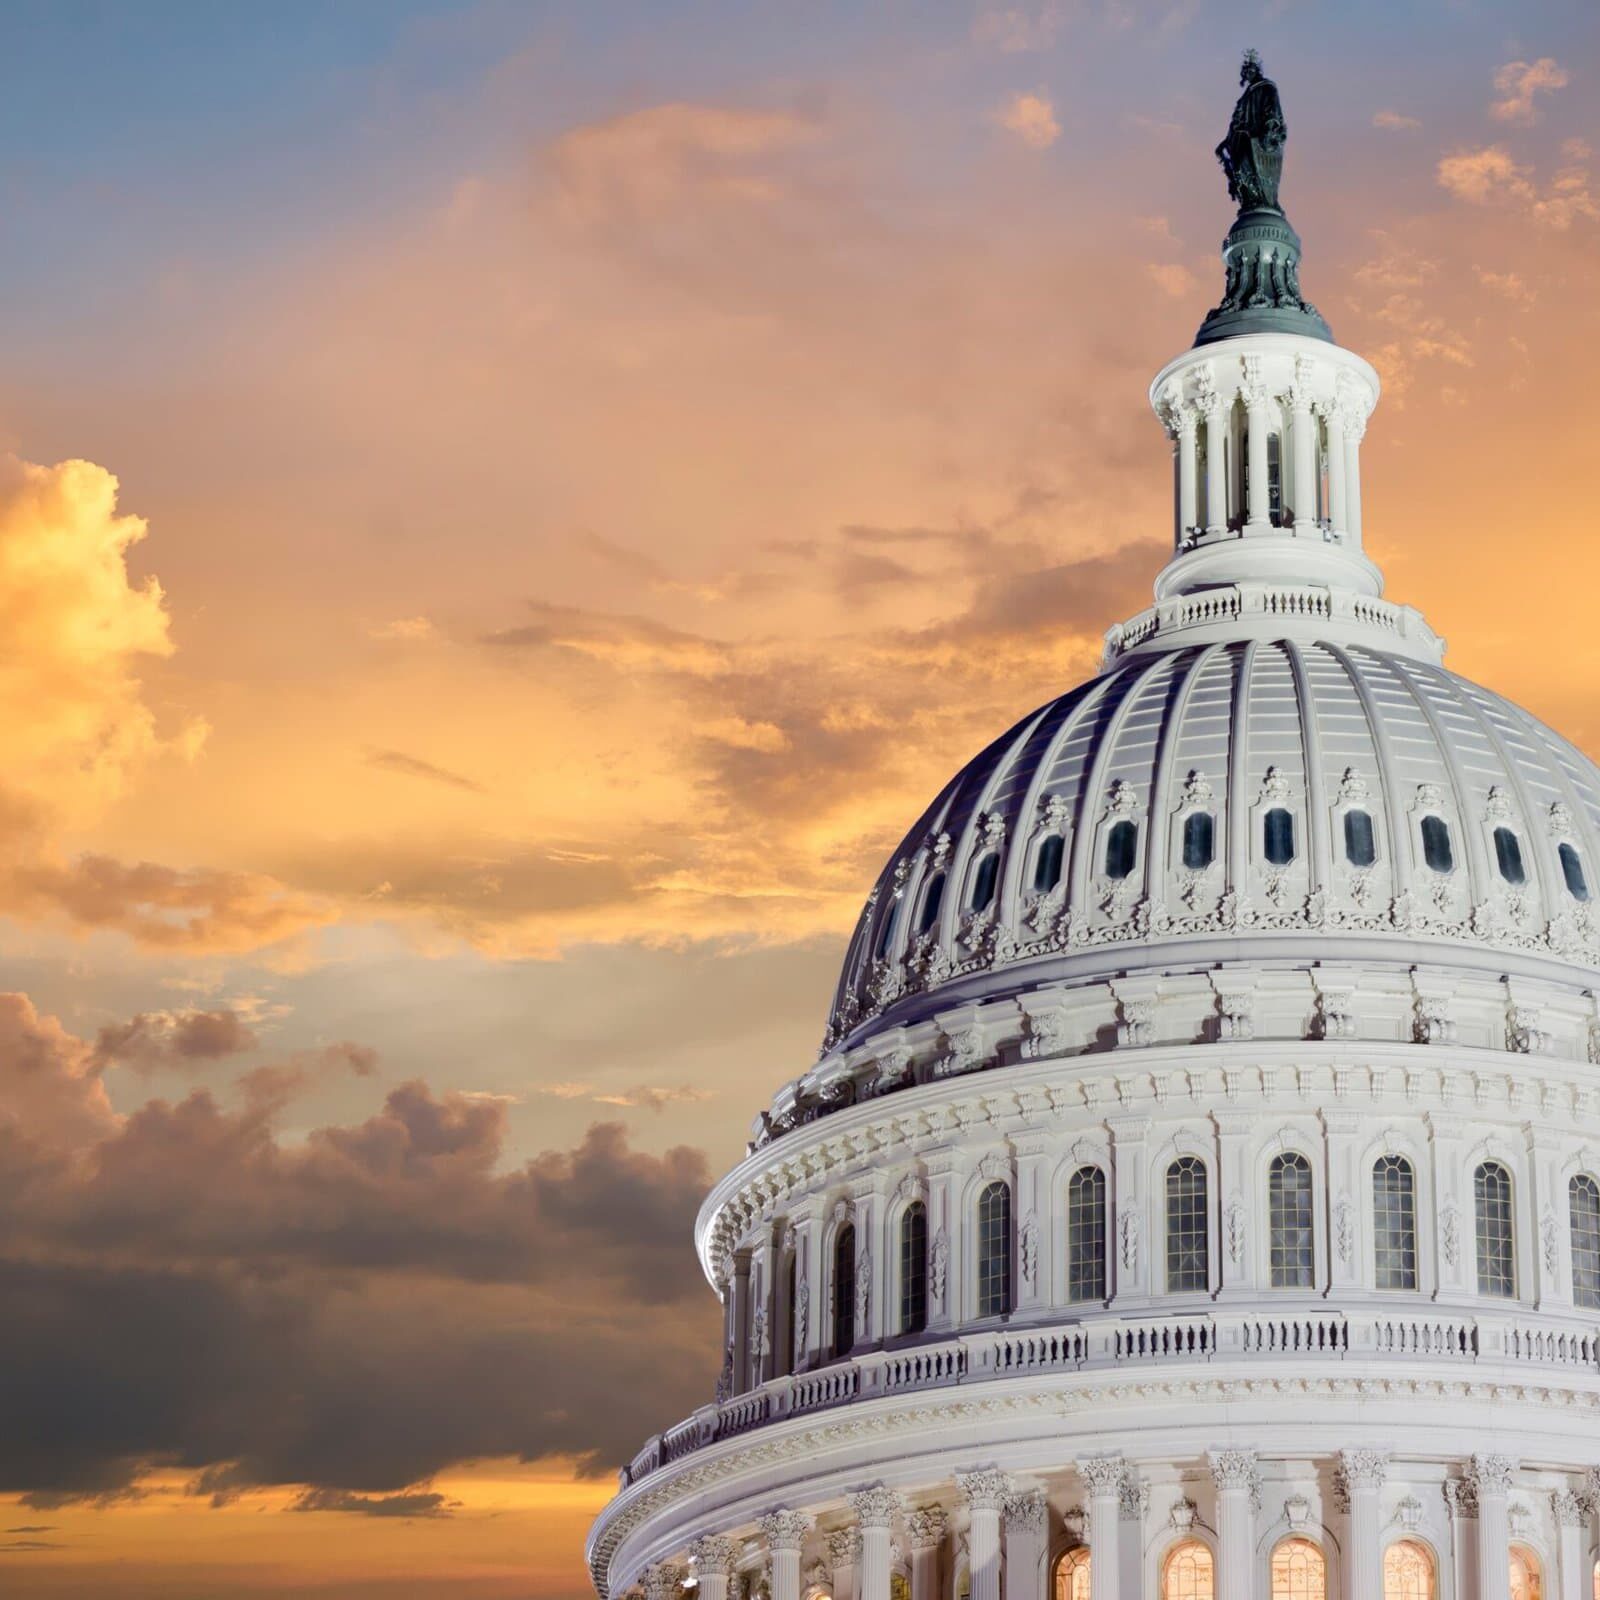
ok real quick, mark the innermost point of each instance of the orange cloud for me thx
(1519, 81)
(1032, 118)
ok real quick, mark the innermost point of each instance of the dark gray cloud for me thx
(155, 1039)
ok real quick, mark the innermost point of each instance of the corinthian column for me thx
(986, 1490)
(1491, 1475)
(663, 1582)
(1025, 1545)
(1258, 492)
(1338, 506)
(1216, 465)
(785, 1532)
(1188, 512)
(713, 1563)
(1235, 1475)
(1363, 1472)
(1103, 1474)
(926, 1529)
(844, 1557)
(875, 1509)
(1302, 429)
(1572, 1514)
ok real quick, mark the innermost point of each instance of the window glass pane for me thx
(1508, 854)
(1289, 1216)
(914, 1268)
(1407, 1572)
(844, 1291)
(1278, 836)
(1394, 1223)
(1572, 871)
(1189, 1573)
(1298, 1571)
(786, 1321)
(1121, 843)
(1199, 840)
(1583, 1195)
(886, 929)
(1527, 1581)
(1072, 1576)
(1086, 1234)
(1188, 1246)
(1275, 479)
(1047, 870)
(930, 902)
(983, 884)
(1497, 1267)
(1436, 849)
(994, 1251)
(1360, 848)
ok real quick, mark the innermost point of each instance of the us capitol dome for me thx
(1198, 1194)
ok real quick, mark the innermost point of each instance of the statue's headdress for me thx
(1252, 58)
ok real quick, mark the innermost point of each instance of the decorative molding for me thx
(985, 1488)
(876, 1507)
(712, 1553)
(1570, 1510)
(1103, 1474)
(926, 1527)
(1364, 1469)
(1491, 1473)
(784, 1530)
(1027, 1512)
(1232, 1469)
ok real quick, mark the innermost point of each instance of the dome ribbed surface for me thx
(1235, 730)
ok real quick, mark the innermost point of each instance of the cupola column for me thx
(1025, 1545)
(1303, 437)
(785, 1532)
(844, 1560)
(1338, 506)
(1571, 1514)
(1104, 1474)
(1364, 1472)
(876, 1509)
(1216, 466)
(986, 1491)
(1355, 425)
(1491, 1475)
(1188, 513)
(1259, 488)
(1235, 1474)
(1461, 1498)
(926, 1529)
(713, 1563)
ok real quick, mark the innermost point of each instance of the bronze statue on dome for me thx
(1251, 153)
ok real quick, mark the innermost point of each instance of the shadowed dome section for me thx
(1247, 788)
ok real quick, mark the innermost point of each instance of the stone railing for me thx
(1113, 1342)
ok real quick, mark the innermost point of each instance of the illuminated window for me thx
(1508, 856)
(983, 884)
(1436, 849)
(1189, 1573)
(1199, 840)
(1047, 869)
(1188, 1244)
(1298, 1571)
(1394, 1223)
(1497, 1257)
(1121, 843)
(1407, 1572)
(994, 1250)
(1289, 1201)
(1277, 836)
(1072, 1576)
(1086, 1234)
(1360, 846)
(1572, 871)
(931, 899)
(844, 1291)
(1527, 1580)
(1583, 1196)
(914, 1268)
(899, 1586)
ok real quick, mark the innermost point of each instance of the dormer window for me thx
(886, 930)
(1047, 869)
(1122, 841)
(1436, 851)
(1199, 840)
(1572, 871)
(983, 885)
(1277, 836)
(930, 902)
(1360, 846)
(1508, 856)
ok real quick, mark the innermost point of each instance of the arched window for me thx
(844, 1290)
(1188, 1241)
(1189, 1573)
(1289, 1201)
(1497, 1255)
(1086, 1234)
(899, 1586)
(1436, 849)
(932, 897)
(1299, 1571)
(886, 929)
(1122, 843)
(994, 1250)
(1072, 1576)
(983, 883)
(1572, 871)
(1583, 1196)
(1508, 856)
(914, 1268)
(1360, 845)
(1527, 1578)
(1277, 836)
(1394, 1223)
(1047, 869)
(1199, 840)
(1408, 1571)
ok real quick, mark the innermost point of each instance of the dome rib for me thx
(1318, 851)
(1157, 834)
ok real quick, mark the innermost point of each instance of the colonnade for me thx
(1007, 1527)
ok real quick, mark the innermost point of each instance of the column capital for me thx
(1364, 1468)
(663, 1581)
(875, 1507)
(712, 1552)
(986, 1488)
(1233, 1469)
(844, 1547)
(1027, 1512)
(1461, 1495)
(1492, 1473)
(784, 1530)
(926, 1526)
(1103, 1474)
(1571, 1510)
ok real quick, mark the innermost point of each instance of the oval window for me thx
(1047, 869)
(1278, 836)
(1436, 849)
(1199, 840)
(983, 884)
(1360, 847)
(1121, 843)
(1572, 871)
(1508, 856)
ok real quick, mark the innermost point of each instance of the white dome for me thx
(1231, 731)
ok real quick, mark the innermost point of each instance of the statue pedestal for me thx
(1262, 258)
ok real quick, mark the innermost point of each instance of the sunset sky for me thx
(510, 510)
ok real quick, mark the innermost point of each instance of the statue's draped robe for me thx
(1252, 153)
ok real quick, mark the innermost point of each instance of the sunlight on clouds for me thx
(1032, 118)
(1517, 82)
